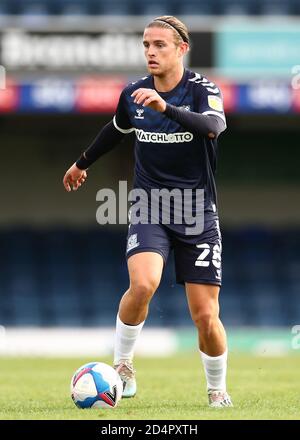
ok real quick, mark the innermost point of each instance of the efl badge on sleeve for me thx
(215, 103)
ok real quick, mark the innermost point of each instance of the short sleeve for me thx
(121, 119)
(211, 100)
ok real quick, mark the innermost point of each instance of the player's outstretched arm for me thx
(105, 141)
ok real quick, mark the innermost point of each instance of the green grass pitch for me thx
(168, 388)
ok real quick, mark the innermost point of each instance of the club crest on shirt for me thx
(132, 242)
(186, 107)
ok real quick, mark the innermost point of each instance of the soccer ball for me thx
(96, 385)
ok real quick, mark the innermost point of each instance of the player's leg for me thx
(204, 308)
(145, 270)
(147, 250)
(198, 267)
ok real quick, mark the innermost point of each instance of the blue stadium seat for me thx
(26, 308)
(170, 307)
(66, 308)
(6, 8)
(231, 302)
(112, 7)
(275, 7)
(292, 303)
(6, 303)
(34, 7)
(196, 7)
(155, 8)
(33, 12)
(237, 7)
(268, 306)
(295, 7)
(18, 278)
(73, 8)
(46, 279)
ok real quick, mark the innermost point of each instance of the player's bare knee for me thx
(205, 319)
(143, 291)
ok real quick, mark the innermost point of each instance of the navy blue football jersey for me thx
(166, 154)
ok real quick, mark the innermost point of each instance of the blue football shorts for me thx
(197, 257)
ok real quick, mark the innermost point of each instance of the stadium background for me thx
(62, 274)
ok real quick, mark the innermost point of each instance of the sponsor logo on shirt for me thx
(139, 114)
(163, 138)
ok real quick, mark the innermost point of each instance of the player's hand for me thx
(74, 178)
(149, 98)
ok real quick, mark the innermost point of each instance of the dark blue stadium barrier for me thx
(76, 277)
(238, 7)
(74, 7)
(276, 7)
(116, 7)
(194, 7)
(137, 7)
